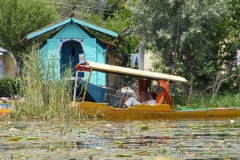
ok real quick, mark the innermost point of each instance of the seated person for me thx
(152, 98)
(142, 99)
(127, 93)
(123, 99)
(132, 101)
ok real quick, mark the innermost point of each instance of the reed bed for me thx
(44, 95)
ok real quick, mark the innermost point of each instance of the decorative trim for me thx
(81, 41)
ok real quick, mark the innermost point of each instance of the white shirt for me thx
(151, 102)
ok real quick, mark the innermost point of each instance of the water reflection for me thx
(177, 139)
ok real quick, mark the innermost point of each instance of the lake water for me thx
(111, 140)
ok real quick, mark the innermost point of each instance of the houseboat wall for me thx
(72, 38)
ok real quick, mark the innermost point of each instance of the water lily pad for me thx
(20, 157)
(121, 145)
(51, 148)
(12, 139)
(19, 126)
(122, 155)
(32, 138)
(144, 128)
(119, 142)
(140, 152)
(5, 135)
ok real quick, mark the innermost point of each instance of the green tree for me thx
(185, 36)
(81, 8)
(109, 14)
(228, 32)
(21, 17)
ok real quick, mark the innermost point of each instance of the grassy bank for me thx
(225, 101)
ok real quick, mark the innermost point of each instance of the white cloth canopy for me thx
(134, 72)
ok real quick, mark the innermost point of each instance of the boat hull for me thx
(5, 108)
(141, 112)
(161, 111)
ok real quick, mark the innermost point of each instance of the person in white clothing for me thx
(131, 101)
(142, 100)
(152, 98)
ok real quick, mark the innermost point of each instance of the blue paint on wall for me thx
(65, 46)
(98, 93)
(72, 36)
(72, 31)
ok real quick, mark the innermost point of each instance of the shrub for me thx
(8, 87)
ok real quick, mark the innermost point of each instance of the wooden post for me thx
(85, 90)
(75, 87)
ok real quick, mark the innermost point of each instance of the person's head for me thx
(153, 95)
(142, 95)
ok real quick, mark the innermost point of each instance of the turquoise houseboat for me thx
(71, 37)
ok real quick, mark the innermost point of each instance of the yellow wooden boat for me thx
(158, 111)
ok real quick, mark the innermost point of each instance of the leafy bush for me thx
(222, 101)
(8, 87)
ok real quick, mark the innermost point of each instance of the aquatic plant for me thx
(44, 95)
(74, 139)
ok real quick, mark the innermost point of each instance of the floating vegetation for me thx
(123, 155)
(143, 128)
(138, 140)
(12, 139)
(32, 138)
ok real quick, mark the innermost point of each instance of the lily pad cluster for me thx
(162, 139)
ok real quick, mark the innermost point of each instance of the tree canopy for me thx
(20, 17)
(111, 14)
(192, 38)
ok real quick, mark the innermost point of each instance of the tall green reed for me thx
(45, 95)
